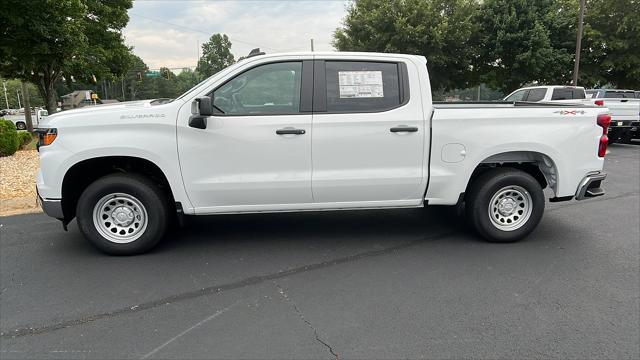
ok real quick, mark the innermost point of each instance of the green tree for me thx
(438, 29)
(522, 41)
(216, 55)
(44, 40)
(13, 88)
(611, 44)
(185, 80)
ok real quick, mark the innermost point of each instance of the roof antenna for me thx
(255, 52)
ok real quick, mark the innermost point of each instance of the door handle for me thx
(403, 129)
(290, 131)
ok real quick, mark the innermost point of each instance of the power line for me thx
(202, 31)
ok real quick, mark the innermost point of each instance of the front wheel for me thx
(123, 214)
(505, 205)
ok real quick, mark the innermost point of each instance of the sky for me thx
(166, 33)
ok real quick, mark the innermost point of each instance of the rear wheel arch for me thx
(83, 173)
(541, 166)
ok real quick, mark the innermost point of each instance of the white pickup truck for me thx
(624, 107)
(308, 132)
(21, 123)
(550, 94)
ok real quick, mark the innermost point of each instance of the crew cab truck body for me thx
(313, 131)
(624, 108)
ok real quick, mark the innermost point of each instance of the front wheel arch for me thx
(82, 174)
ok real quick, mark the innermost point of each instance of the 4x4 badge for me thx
(569, 112)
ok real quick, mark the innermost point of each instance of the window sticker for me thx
(360, 84)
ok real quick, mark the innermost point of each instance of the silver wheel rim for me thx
(510, 208)
(120, 218)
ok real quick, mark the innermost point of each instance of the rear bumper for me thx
(625, 132)
(591, 186)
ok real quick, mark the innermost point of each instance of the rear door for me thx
(368, 132)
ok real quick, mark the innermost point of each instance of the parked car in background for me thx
(624, 106)
(551, 94)
(21, 123)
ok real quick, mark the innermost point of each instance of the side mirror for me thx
(205, 107)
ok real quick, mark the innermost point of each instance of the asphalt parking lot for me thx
(382, 284)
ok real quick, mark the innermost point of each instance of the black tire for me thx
(149, 196)
(21, 126)
(501, 181)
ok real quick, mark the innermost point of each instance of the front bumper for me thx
(51, 207)
(590, 186)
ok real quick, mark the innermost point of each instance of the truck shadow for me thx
(319, 226)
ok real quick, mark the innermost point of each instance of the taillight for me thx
(602, 148)
(599, 102)
(603, 121)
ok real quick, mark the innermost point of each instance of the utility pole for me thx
(312, 45)
(6, 99)
(27, 106)
(576, 66)
(18, 94)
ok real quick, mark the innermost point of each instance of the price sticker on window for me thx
(360, 84)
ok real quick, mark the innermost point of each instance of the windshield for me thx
(202, 83)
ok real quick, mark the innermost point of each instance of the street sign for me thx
(152, 74)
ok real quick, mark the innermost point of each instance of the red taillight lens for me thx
(604, 120)
(599, 102)
(602, 148)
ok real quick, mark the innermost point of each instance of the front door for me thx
(257, 150)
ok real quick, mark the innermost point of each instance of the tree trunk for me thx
(49, 95)
(27, 106)
(45, 82)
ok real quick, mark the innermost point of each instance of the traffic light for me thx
(165, 73)
(139, 76)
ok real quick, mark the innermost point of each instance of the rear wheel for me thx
(21, 126)
(123, 214)
(505, 205)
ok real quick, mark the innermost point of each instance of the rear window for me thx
(536, 95)
(354, 86)
(578, 94)
(619, 94)
(562, 94)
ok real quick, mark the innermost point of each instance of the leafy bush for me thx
(25, 138)
(9, 141)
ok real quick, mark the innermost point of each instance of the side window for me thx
(264, 90)
(578, 94)
(562, 94)
(362, 86)
(536, 95)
